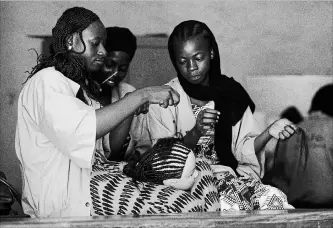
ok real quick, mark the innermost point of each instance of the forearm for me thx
(261, 140)
(110, 116)
(191, 138)
(118, 136)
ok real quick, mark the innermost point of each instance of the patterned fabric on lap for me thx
(113, 193)
(244, 193)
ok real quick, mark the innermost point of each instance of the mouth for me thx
(111, 79)
(195, 77)
(99, 60)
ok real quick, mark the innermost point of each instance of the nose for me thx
(112, 69)
(101, 51)
(192, 65)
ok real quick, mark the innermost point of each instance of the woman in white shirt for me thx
(56, 132)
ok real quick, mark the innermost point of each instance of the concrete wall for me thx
(259, 41)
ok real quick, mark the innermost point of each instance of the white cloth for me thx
(166, 122)
(55, 141)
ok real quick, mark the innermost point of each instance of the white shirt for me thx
(55, 141)
(166, 122)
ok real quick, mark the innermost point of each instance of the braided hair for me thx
(165, 160)
(73, 20)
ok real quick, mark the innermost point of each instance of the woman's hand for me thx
(143, 109)
(163, 95)
(206, 120)
(282, 129)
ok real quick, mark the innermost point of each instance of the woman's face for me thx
(116, 63)
(94, 37)
(193, 58)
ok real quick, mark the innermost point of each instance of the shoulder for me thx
(125, 87)
(49, 78)
(173, 82)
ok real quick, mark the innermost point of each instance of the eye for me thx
(95, 43)
(200, 57)
(182, 61)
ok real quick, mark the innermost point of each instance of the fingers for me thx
(164, 103)
(171, 99)
(210, 117)
(288, 131)
(143, 109)
(207, 119)
(175, 97)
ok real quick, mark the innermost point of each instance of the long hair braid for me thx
(73, 20)
(165, 160)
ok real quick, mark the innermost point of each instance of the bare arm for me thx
(261, 140)
(192, 137)
(110, 116)
(118, 136)
(280, 129)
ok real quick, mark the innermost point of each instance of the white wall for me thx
(256, 39)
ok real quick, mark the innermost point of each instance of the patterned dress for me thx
(237, 193)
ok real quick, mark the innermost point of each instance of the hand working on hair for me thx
(172, 100)
(206, 120)
(282, 129)
(163, 95)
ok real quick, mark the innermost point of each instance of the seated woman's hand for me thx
(206, 120)
(282, 129)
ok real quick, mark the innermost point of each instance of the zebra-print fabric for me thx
(113, 193)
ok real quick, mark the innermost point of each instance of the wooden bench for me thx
(278, 218)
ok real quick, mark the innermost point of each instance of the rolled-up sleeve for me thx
(244, 134)
(66, 121)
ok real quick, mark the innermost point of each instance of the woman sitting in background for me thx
(303, 164)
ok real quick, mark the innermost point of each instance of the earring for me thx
(69, 48)
(211, 56)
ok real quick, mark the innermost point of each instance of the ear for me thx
(170, 182)
(211, 54)
(69, 42)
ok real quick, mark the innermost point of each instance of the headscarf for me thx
(230, 97)
(120, 39)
